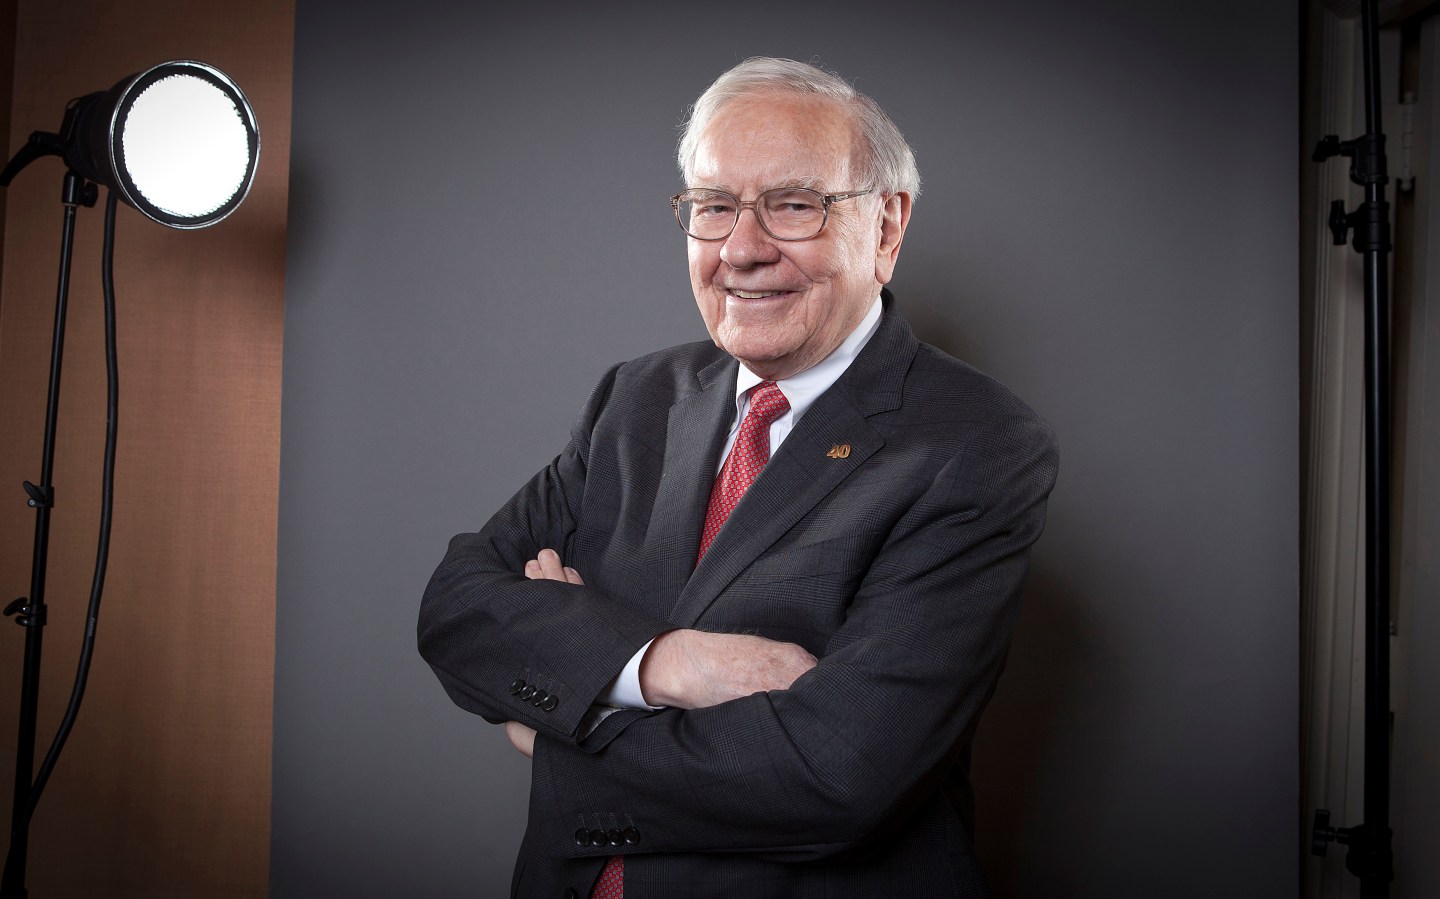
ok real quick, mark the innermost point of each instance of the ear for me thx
(894, 217)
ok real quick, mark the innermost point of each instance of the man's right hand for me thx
(688, 669)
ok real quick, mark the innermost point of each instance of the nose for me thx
(748, 245)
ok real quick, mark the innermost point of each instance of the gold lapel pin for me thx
(839, 451)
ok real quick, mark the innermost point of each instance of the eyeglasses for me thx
(786, 213)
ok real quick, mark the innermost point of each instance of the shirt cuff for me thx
(624, 691)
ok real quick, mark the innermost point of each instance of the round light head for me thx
(182, 144)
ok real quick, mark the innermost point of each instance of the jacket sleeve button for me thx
(527, 692)
(550, 702)
(597, 838)
(632, 835)
(582, 837)
(539, 697)
(516, 686)
(615, 837)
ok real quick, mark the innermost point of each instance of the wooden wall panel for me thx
(164, 789)
(7, 76)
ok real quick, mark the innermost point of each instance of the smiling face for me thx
(780, 307)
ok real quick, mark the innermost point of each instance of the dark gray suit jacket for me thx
(897, 565)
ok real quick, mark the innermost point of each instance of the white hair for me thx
(887, 162)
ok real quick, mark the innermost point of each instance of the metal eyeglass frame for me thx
(752, 205)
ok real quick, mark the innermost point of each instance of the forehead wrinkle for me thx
(785, 181)
(799, 180)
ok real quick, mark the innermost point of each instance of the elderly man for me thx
(746, 622)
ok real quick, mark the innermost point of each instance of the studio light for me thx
(179, 143)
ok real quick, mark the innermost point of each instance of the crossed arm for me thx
(687, 669)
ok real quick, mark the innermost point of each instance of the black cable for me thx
(97, 583)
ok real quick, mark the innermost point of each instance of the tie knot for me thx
(767, 402)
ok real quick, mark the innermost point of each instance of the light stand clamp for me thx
(1371, 219)
(1369, 852)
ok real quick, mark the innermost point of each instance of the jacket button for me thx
(582, 837)
(597, 837)
(516, 686)
(571, 894)
(615, 837)
(539, 697)
(527, 692)
(632, 836)
(550, 702)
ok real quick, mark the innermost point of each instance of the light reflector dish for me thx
(183, 144)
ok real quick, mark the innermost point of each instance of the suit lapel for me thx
(803, 471)
(694, 437)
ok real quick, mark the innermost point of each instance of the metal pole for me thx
(1375, 881)
(30, 613)
(1370, 856)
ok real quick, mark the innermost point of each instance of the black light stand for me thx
(182, 117)
(1370, 857)
(30, 612)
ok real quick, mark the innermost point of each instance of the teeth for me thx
(754, 294)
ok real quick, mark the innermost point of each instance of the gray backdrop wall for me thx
(1108, 225)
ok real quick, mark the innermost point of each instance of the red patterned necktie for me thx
(611, 884)
(749, 454)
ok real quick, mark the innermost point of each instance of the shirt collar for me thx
(804, 388)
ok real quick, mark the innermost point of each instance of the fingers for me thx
(521, 737)
(550, 567)
(773, 666)
(546, 565)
